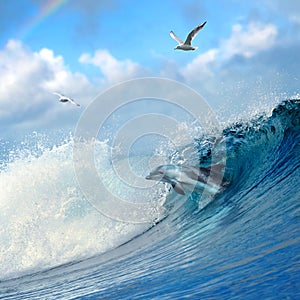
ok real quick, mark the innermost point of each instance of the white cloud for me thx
(250, 66)
(113, 70)
(242, 42)
(27, 82)
(201, 66)
(247, 43)
(61, 77)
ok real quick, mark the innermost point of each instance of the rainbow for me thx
(48, 8)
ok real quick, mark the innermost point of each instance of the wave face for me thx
(244, 243)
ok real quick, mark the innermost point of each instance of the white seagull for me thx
(187, 45)
(63, 98)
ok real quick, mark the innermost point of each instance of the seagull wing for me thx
(73, 102)
(176, 38)
(58, 94)
(193, 33)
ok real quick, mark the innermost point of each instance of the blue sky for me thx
(248, 54)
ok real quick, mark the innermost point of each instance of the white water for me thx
(45, 219)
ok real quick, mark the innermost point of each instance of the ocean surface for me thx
(243, 244)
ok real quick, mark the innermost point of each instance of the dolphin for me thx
(188, 178)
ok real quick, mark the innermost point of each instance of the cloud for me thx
(242, 42)
(251, 67)
(27, 82)
(201, 66)
(247, 43)
(113, 70)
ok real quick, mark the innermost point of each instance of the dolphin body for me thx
(187, 178)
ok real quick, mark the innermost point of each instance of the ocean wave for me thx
(246, 236)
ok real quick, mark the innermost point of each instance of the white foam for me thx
(45, 220)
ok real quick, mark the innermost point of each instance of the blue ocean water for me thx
(245, 244)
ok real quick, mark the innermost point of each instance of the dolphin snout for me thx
(154, 176)
(148, 177)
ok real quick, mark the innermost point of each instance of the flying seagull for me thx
(187, 45)
(63, 98)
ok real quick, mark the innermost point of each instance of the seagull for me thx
(187, 45)
(63, 98)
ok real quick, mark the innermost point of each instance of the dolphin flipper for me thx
(178, 188)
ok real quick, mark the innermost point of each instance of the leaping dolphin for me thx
(187, 178)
